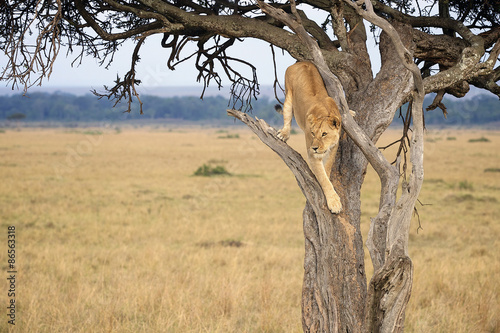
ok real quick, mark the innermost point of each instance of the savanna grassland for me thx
(114, 233)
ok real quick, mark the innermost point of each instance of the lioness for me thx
(319, 117)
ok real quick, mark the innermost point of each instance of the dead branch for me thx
(276, 83)
(211, 53)
(25, 60)
(438, 103)
(404, 141)
(395, 244)
(125, 89)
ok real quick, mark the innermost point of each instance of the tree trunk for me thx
(334, 289)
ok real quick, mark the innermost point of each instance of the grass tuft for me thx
(206, 170)
(92, 132)
(460, 198)
(229, 136)
(481, 139)
(465, 185)
(224, 243)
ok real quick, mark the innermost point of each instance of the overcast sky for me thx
(152, 69)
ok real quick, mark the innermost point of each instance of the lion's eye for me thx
(312, 133)
(324, 134)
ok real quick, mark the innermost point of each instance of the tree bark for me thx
(334, 289)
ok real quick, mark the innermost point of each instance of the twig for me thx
(276, 82)
(415, 212)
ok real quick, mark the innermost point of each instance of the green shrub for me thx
(91, 132)
(465, 185)
(481, 139)
(206, 170)
(229, 136)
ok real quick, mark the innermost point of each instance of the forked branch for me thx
(125, 89)
(209, 55)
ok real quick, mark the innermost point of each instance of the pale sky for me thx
(152, 68)
(153, 72)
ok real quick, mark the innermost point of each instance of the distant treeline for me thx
(478, 110)
(67, 107)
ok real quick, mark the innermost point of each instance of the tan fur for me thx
(319, 117)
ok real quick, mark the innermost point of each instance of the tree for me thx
(16, 116)
(440, 46)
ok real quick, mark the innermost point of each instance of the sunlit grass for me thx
(116, 235)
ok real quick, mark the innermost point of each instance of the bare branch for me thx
(395, 244)
(404, 54)
(489, 79)
(404, 141)
(337, 12)
(438, 102)
(109, 36)
(276, 83)
(25, 60)
(125, 89)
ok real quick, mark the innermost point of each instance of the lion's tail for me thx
(278, 108)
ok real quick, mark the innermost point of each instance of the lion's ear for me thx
(311, 118)
(336, 122)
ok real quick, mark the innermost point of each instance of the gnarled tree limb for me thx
(382, 298)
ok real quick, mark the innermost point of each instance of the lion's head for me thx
(324, 134)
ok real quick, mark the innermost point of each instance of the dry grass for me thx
(115, 234)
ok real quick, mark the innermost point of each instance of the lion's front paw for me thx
(334, 204)
(283, 135)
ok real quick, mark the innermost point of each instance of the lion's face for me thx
(324, 134)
